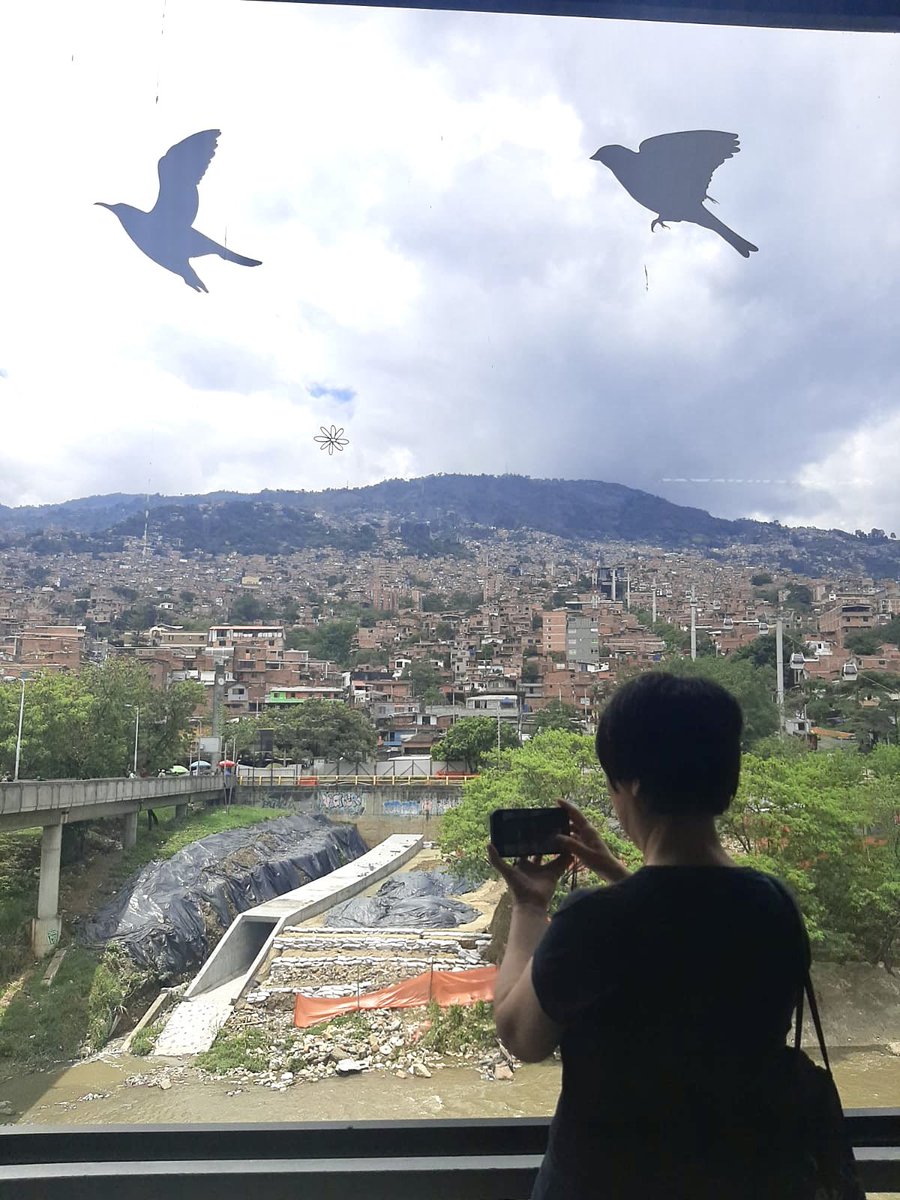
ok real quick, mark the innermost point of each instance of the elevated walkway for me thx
(29, 803)
(208, 1001)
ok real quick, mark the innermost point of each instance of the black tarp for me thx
(169, 915)
(413, 899)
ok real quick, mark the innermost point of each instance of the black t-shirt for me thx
(668, 986)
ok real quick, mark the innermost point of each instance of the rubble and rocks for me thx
(161, 1079)
(370, 1040)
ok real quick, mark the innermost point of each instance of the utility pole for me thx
(693, 631)
(779, 669)
(654, 601)
(628, 589)
(613, 588)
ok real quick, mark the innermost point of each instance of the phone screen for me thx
(524, 831)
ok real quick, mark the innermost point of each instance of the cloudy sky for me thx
(446, 274)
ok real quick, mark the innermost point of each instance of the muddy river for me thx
(96, 1093)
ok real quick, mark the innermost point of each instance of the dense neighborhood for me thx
(505, 626)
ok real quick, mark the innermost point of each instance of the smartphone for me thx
(524, 831)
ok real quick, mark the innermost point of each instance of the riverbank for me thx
(93, 994)
(124, 1090)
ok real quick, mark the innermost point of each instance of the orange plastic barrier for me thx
(445, 987)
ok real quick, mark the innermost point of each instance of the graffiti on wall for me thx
(419, 806)
(344, 804)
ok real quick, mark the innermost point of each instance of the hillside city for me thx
(505, 626)
(327, 676)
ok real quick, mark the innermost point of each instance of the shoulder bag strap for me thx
(814, 1009)
(807, 986)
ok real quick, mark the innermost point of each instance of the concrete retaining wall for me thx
(377, 810)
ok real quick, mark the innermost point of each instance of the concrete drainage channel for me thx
(209, 999)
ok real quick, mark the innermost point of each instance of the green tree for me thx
(761, 578)
(554, 764)
(329, 641)
(827, 824)
(891, 632)
(311, 729)
(472, 739)
(557, 715)
(763, 652)
(752, 687)
(247, 609)
(867, 641)
(82, 726)
(138, 617)
(290, 611)
(423, 677)
(799, 596)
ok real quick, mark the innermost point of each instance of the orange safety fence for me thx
(444, 987)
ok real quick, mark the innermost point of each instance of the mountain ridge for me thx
(437, 510)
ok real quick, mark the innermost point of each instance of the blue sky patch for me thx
(342, 395)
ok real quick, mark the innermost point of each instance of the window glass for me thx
(471, 262)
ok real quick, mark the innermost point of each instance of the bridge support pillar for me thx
(130, 835)
(181, 811)
(45, 929)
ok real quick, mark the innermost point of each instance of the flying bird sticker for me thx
(166, 232)
(669, 175)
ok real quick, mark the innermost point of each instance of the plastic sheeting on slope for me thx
(164, 915)
(412, 899)
(445, 987)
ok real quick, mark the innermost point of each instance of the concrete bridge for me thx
(52, 803)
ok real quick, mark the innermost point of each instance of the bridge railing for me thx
(282, 779)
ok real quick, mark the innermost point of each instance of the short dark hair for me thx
(678, 737)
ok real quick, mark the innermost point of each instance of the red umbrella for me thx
(227, 762)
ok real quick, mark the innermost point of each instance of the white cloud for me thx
(435, 238)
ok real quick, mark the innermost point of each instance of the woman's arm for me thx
(522, 1025)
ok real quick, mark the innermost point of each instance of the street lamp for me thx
(137, 726)
(22, 679)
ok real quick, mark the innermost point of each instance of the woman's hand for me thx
(531, 882)
(588, 847)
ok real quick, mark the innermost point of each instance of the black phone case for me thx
(525, 831)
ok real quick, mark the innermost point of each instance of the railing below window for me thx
(372, 1160)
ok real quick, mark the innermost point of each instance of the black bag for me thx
(810, 1102)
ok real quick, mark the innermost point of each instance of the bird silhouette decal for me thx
(166, 232)
(669, 175)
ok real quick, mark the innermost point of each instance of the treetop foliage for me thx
(82, 726)
(828, 824)
(305, 731)
(472, 739)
